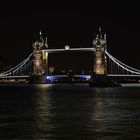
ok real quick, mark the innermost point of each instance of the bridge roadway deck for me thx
(14, 77)
(122, 75)
(26, 78)
(109, 75)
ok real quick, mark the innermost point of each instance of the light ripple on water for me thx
(69, 111)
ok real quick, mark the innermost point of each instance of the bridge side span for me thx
(123, 66)
(17, 68)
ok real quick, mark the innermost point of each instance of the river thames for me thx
(69, 111)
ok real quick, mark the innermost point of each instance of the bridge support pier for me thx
(37, 79)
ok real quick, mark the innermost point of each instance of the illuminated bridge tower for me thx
(100, 62)
(40, 59)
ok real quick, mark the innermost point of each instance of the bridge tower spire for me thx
(100, 32)
(100, 62)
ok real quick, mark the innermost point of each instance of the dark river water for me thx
(69, 112)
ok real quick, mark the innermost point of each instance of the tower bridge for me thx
(36, 64)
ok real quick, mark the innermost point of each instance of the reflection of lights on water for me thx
(42, 106)
(41, 109)
(98, 114)
(43, 87)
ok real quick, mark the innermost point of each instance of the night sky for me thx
(75, 24)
